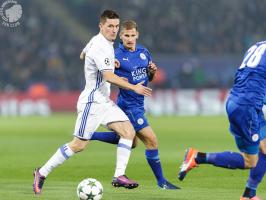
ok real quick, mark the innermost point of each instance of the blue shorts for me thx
(248, 126)
(137, 118)
(263, 130)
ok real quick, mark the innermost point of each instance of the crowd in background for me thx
(185, 26)
(40, 50)
(43, 49)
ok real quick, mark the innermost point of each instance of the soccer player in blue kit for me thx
(135, 65)
(247, 124)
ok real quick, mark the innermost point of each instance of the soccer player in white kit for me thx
(94, 106)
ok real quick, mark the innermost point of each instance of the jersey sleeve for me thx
(148, 54)
(85, 48)
(103, 60)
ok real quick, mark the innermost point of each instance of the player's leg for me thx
(227, 159)
(106, 136)
(59, 157)
(116, 120)
(82, 134)
(255, 176)
(110, 137)
(126, 132)
(147, 136)
(62, 154)
(257, 173)
(240, 118)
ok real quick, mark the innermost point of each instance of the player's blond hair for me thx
(129, 25)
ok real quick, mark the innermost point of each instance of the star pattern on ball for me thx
(80, 189)
(101, 192)
(90, 196)
(91, 183)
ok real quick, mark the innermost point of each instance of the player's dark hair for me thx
(129, 24)
(108, 14)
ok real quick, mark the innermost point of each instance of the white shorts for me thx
(92, 115)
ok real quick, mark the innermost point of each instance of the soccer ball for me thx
(90, 189)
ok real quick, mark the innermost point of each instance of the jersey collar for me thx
(104, 39)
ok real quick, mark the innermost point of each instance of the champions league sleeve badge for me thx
(107, 61)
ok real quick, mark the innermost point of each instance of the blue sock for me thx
(256, 174)
(153, 159)
(227, 159)
(109, 137)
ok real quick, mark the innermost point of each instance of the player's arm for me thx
(110, 77)
(117, 65)
(152, 68)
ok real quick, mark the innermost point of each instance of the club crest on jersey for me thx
(255, 137)
(142, 56)
(140, 121)
(107, 61)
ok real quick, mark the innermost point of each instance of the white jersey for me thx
(99, 56)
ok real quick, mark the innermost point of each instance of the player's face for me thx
(110, 28)
(129, 38)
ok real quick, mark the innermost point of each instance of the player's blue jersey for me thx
(134, 67)
(250, 81)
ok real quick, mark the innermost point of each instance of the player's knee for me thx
(263, 147)
(250, 165)
(128, 134)
(250, 162)
(151, 144)
(263, 151)
(127, 131)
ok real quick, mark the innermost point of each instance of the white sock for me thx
(60, 156)
(123, 154)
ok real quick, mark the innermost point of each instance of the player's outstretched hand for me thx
(82, 55)
(117, 63)
(152, 67)
(141, 89)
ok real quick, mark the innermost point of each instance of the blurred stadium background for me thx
(197, 45)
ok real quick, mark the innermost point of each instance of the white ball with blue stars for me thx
(90, 189)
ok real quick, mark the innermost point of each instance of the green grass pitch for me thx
(26, 143)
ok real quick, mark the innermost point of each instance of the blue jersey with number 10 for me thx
(250, 80)
(134, 67)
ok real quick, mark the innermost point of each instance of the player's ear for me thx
(137, 35)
